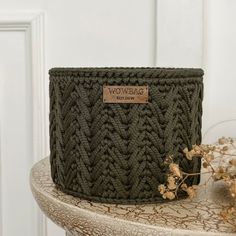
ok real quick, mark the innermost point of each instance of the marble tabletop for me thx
(199, 216)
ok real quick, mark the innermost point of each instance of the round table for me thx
(199, 216)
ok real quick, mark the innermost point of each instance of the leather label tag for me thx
(125, 94)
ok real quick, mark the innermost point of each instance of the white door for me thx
(36, 35)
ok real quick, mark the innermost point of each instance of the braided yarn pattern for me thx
(115, 152)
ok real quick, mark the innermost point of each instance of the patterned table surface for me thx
(81, 217)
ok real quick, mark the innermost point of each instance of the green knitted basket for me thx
(115, 152)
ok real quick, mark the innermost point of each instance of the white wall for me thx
(173, 33)
(75, 33)
(179, 33)
(220, 66)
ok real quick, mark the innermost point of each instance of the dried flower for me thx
(184, 186)
(232, 162)
(225, 171)
(191, 192)
(162, 188)
(169, 195)
(222, 140)
(171, 183)
(220, 173)
(174, 169)
(209, 157)
(232, 188)
(197, 149)
(189, 154)
(225, 148)
(205, 149)
(231, 170)
(205, 164)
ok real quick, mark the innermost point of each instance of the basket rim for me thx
(151, 72)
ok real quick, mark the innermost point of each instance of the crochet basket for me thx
(114, 152)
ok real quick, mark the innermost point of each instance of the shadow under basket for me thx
(114, 151)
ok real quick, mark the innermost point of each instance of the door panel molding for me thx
(32, 24)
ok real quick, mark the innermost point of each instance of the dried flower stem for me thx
(225, 171)
(178, 186)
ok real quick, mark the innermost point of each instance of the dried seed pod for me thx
(205, 164)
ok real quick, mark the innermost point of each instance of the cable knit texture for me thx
(115, 153)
